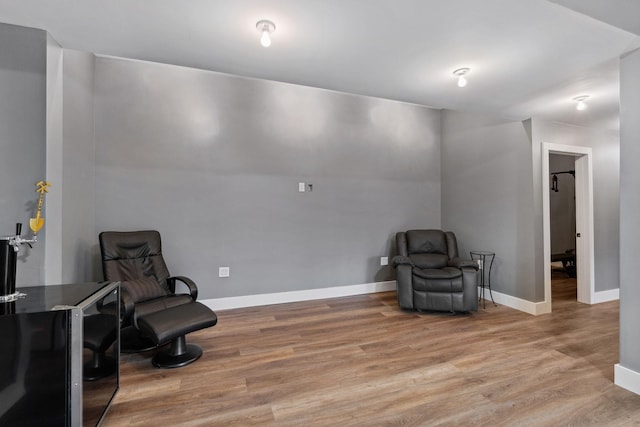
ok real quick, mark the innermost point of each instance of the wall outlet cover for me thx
(223, 272)
(384, 260)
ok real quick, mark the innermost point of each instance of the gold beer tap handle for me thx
(36, 224)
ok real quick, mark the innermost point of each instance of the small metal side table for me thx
(482, 257)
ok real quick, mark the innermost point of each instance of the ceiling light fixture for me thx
(460, 73)
(581, 104)
(265, 27)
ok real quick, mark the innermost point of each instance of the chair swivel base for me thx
(93, 372)
(178, 355)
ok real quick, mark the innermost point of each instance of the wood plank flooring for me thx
(360, 361)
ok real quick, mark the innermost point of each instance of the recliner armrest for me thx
(127, 306)
(462, 263)
(193, 289)
(401, 260)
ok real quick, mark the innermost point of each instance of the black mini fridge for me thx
(59, 355)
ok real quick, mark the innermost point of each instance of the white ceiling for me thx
(527, 57)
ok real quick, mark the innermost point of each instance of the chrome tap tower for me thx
(9, 248)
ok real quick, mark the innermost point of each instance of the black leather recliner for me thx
(153, 313)
(430, 275)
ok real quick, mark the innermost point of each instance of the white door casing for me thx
(584, 221)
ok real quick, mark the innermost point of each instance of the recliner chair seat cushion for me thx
(160, 304)
(447, 279)
(437, 273)
(429, 261)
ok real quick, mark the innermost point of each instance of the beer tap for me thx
(17, 240)
(10, 246)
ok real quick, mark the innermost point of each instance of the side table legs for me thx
(482, 257)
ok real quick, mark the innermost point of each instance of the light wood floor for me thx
(360, 361)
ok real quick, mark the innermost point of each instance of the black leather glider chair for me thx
(153, 313)
(430, 275)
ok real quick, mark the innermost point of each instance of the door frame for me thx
(584, 220)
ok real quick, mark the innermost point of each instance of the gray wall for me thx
(487, 196)
(492, 195)
(605, 146)
(78, 171)
(213, 162)
(22, 138)
(562, 205)
(629, 209)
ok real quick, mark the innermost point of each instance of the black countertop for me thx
(45, 298)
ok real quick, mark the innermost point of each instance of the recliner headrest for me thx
(133, 255)
(129, 244)
(426, 242)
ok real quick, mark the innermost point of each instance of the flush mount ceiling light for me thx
(460, 73)
(265, 27)
(581, 104)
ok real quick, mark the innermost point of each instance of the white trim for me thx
(227, 303)
(608, 295)
(534, 308)
(584, 225)
(626, 378)
(296, 296)
(584, 221)
(537, 308)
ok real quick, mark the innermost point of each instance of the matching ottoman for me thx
(171, 325)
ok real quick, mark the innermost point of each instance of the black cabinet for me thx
(52, 340)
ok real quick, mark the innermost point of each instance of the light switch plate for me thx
(301, 187)
(384, 260)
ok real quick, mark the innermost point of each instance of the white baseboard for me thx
(604, 296)
(537, 308)
(296, 296)
(516, 303)
(534, 308)
(626, 378)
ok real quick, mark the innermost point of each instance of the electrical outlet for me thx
(384, 260)
(302, 187)
(223, 272)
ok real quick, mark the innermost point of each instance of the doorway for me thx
(562, 222)
(584, 255)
